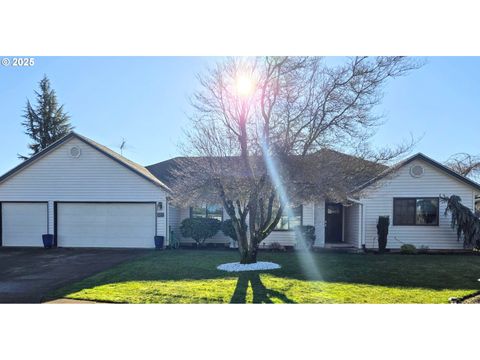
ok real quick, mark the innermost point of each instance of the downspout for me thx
(361, 239)
(167, 220)
(314, 224)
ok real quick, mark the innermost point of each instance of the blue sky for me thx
(145, 100)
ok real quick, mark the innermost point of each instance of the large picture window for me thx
(415, 211)
(207, 211)
(288, 223)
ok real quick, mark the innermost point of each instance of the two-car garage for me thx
(105, 224)
(83, 194)
(79, 224)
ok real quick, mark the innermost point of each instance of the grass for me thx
(189, 276)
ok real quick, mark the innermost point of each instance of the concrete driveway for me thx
(28, 275)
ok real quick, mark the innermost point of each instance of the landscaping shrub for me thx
(199, 229)
(382, 232)
(408, 249)
(275, 246)
(228, 230)
(307, 232)
(423, 249)
(463, 220)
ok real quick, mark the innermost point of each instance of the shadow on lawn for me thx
(415, 271)
(261, 295)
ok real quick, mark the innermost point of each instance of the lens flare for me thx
(306, 259)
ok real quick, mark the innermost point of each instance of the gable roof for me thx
(426, 159)
(133, 166)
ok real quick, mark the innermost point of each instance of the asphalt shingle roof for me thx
(324, 159)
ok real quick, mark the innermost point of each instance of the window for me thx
(207, 211)
(215, 212)
(198, 212)
(288, 223)
(477, 206)
(415, 211)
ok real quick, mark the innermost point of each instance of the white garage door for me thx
(105, 225)
(23, 224)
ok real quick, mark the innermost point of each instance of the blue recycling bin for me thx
(159, 240)
(47, 241)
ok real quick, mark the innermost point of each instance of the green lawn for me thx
(189, 276)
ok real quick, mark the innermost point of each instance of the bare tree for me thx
(465, 164)
(261, 125)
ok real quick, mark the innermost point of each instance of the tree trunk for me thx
(248, 250)
(249, 256)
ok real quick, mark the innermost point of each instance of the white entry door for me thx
(130, 225)
(23, 224)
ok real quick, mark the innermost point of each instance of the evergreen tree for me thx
(47, 122)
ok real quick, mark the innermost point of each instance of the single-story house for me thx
(87, 195)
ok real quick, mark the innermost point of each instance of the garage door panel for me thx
(106, 225)
(23, 224)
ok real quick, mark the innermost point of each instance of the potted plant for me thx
(382, 232)
(306, 235)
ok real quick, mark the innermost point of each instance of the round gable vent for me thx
(75, 152)
(416, 171)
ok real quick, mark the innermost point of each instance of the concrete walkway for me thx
(70, 301)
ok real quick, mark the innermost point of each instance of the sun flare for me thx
(245, 85)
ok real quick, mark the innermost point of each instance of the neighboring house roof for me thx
(424, 158)
(136, 168)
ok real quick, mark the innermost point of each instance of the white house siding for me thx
(352, 224)
(319, 223)
(378, 201)
(285, 238)
(162, 227)
(91, 177)
(308, 214)
(174, 220)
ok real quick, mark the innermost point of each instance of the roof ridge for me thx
(142, 170)
(234, 156)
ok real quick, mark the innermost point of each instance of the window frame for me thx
(289, 229)
(205, 207)
(437, 223)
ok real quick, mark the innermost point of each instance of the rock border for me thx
(237, 267)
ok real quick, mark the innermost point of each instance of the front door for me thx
(333, 222)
